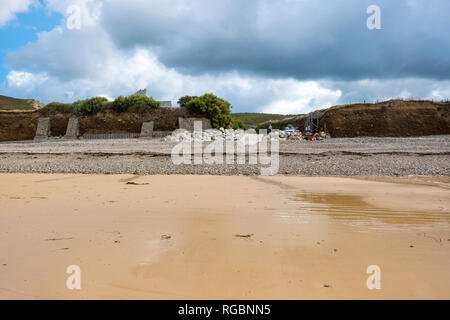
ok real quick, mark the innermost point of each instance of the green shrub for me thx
(141, 100)
(212, 107)
(238, 124)
(89, 106)
(134, 103)
(119, 104)
(183, 101)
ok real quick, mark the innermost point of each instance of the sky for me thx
(277, 56)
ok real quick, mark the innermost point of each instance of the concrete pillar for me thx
(73, 129)
(43, 129)
(181, 123)
(147, 130)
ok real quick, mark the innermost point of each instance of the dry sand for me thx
(305, 233)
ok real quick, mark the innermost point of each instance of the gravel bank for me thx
(334, 157)
(310, 165)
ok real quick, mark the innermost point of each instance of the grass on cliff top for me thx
(253, 120)
(8, 103)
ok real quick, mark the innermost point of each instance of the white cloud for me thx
(371, 90)
(67, 65)
(302, 97)
(89, 9)
(9, 8)
(302, 39)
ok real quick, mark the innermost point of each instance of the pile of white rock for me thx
(181, 135)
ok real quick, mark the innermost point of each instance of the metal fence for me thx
(91, 136)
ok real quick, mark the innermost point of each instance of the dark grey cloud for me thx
(304, 39)
(65, 54)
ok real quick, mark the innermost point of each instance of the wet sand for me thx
(221, 237)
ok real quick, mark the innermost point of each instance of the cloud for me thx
(287, 56)
(21, 79)
(90, 10)
(300, 39)
(125, 72)
(66, 54)
(9, 8)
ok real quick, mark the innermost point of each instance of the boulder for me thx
(73, 129)
(147, 130)
(43, 129)
(142, 92)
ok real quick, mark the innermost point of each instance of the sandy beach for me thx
(223, 237)
(365, 156)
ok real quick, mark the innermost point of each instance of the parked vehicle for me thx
(290, 128)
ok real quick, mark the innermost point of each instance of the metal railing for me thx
(92, 136)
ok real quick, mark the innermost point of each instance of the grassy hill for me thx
(253, 120)
(9, 103)
(296, 121)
